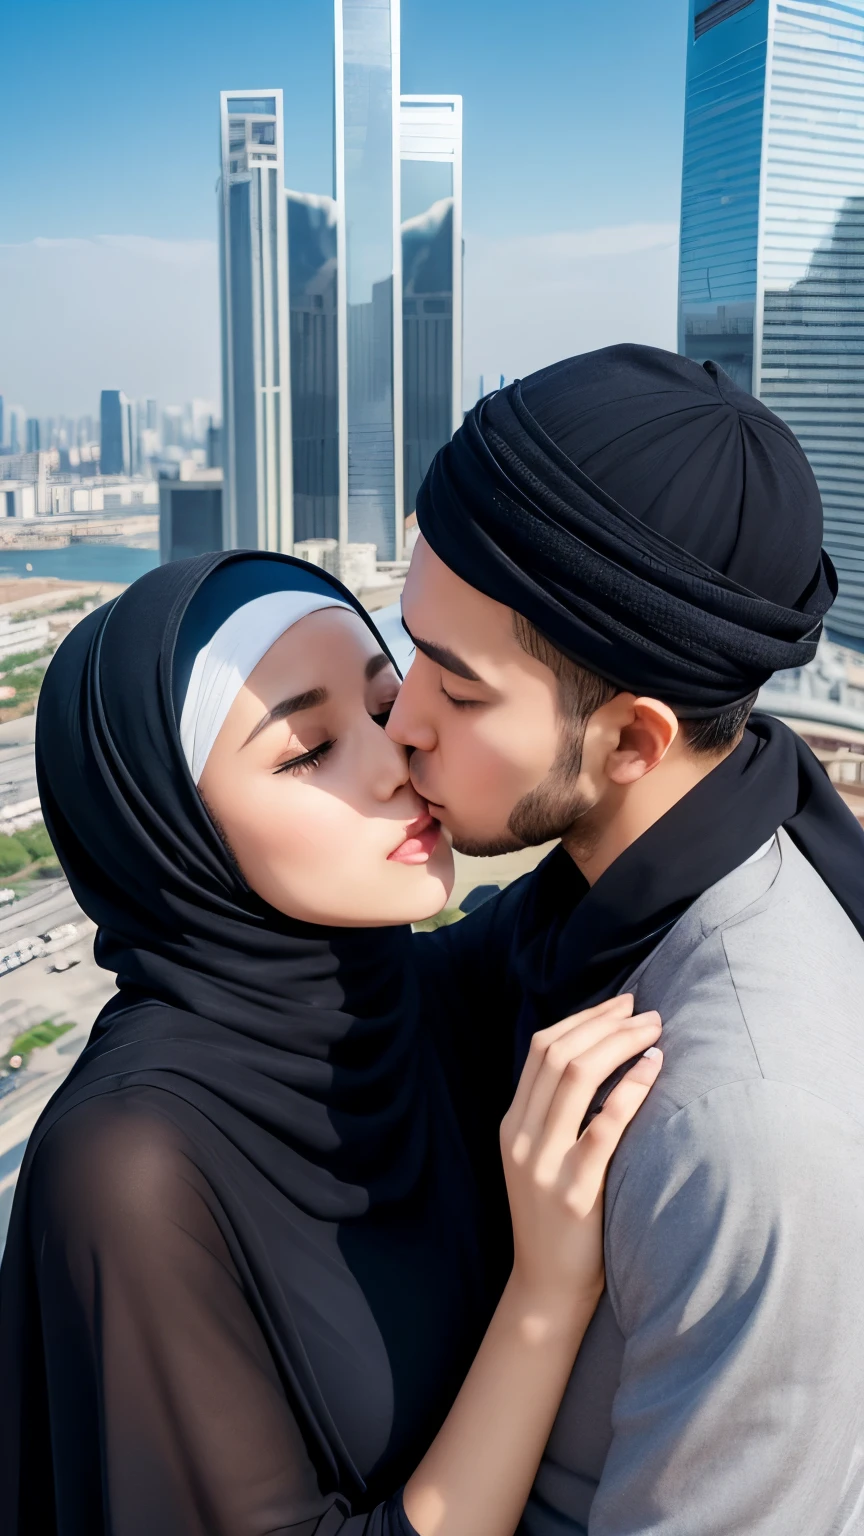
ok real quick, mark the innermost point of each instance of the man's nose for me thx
(407, 724)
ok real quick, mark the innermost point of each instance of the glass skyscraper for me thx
(341, 325)
(772, 236)
(431, 227)
(367, 197)
(312, 243)
(115, 417)
(254, 291)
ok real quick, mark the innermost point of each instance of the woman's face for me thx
(312, 797)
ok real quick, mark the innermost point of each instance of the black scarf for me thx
(299, 1046)
(575, 945)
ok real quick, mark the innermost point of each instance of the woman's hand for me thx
(555, 1177)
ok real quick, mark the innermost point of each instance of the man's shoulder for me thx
(771, 988)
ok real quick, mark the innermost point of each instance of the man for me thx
(614, 556)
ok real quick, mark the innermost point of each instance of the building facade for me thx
(431, 237)
(190, 518)
(772, 236)
(363, 308)
(115, 416)
(254, 297)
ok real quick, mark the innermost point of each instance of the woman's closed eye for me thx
(307, 760)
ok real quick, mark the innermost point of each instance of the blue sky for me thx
(573, 120)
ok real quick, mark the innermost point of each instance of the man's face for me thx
(481, 716)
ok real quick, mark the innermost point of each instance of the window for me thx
(712, 15)
(259, 106)
(263, 133)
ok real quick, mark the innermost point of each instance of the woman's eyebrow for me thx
(308, 700)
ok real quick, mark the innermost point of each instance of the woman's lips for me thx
(417, 847)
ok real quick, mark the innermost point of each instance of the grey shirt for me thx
(720, 1387)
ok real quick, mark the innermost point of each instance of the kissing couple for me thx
(336, 1230)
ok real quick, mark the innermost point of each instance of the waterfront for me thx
(115, 563)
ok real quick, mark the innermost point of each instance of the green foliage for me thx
(13, 855)
(23, 658)
(32, 1039)
(440, 920)
(75, 604)
(36, 841)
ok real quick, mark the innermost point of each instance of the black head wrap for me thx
(655, 522)
(323, 1122)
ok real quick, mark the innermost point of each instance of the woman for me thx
(243, 1282)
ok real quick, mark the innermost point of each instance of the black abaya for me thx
(241, 1286)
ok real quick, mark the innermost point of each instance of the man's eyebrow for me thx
(444, 657)
(308, 700)
(376, 664)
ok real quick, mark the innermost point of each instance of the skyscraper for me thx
(431, 228)
(365, 333)
(772, 236)
(254, 284)
(314, 364)
(115, 457)
(369, 271)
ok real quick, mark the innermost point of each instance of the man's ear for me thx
(644, 740)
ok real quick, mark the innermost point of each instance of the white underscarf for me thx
(222, 666)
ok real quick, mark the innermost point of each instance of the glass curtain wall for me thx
(367, 77)
(427, 316)
(312, 241)
(812, 370)
(720, 184)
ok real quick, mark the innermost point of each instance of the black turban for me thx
(655, 522)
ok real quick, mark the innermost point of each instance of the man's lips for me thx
(423, 834)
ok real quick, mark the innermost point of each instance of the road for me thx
(36, 992)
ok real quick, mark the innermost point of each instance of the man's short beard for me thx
(547, 812)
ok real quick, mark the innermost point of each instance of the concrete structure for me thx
(254, 295)
(772, 236)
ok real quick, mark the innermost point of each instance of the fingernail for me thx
(652, 1051)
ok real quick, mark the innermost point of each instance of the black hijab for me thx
(655, 522)
(298, 1046)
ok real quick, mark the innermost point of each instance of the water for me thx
(80, 562)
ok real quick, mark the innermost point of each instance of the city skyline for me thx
(558, 181)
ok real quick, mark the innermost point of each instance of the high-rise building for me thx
(314, 365)
(190, 518)
(772, 236)
(2, 425)
(431, 219)
(350, 333)
(254, 282)
(34, 434)
(115, 456)
(369, 272)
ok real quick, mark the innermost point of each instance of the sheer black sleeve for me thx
(166, 1408)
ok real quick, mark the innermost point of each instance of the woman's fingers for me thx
(588, 1161)
(544, 1039)
(576, 1047)
(580, 1082)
